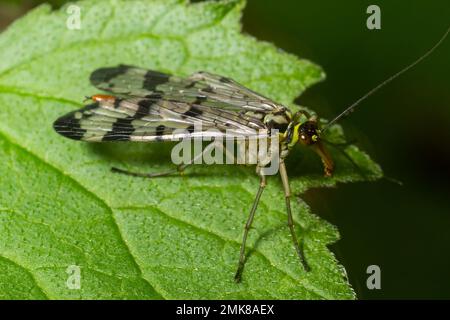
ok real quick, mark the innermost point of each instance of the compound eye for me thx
(308, 133)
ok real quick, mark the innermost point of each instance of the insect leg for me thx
(179, 169)
(147, 175)
(262, 185)
(287, 195)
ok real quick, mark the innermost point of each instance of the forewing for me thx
(154, 119)
(211, 90)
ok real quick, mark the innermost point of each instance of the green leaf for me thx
(134, 238)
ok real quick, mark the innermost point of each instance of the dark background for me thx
(405, 128)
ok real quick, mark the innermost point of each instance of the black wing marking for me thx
(154, 119)
(211, 90)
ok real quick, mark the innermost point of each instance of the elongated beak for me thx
(328, 164)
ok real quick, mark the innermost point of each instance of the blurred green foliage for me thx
(403, 229)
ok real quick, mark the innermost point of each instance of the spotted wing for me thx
(154, 119)
(210, 89)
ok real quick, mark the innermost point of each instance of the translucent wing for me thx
(154, 119)
(211, 90)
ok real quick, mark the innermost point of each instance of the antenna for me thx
(350, 109)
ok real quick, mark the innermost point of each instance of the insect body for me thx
(149, 106)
